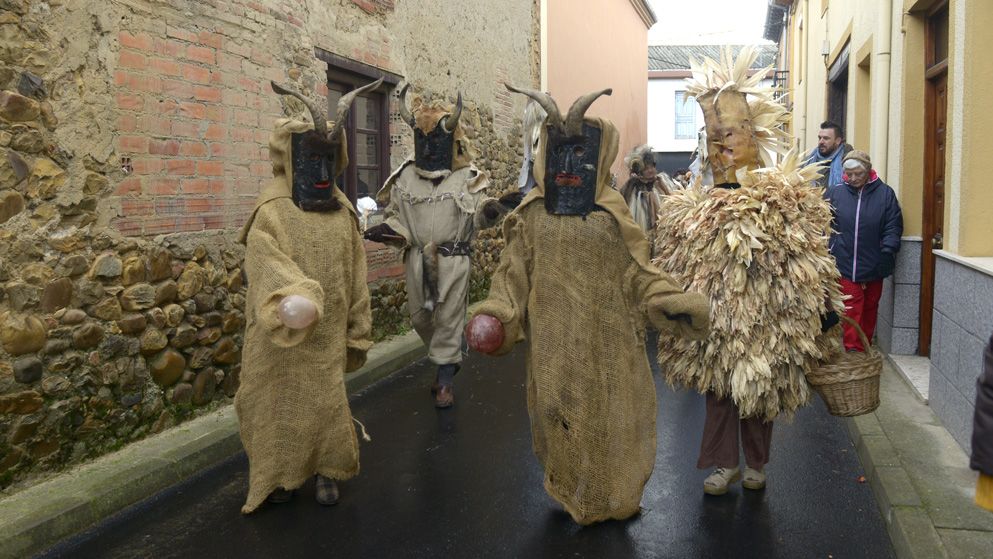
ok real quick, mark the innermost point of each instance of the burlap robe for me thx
(578, 288)
(292, 406)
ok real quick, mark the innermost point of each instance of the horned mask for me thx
(435, 143)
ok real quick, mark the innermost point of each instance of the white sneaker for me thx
(754, 479)
(718, 481)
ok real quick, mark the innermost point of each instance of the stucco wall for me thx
(579, 42)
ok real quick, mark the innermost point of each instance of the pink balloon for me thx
(484, 333)
(297, 312)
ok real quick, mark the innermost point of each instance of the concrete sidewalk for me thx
(44, 514)
(920, 478)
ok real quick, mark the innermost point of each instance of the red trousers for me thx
(862, 307)
(719, 447)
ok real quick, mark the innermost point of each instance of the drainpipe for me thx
(880, 123)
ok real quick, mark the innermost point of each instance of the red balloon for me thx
(484, 333)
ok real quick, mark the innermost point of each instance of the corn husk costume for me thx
(579, 286)
(434, 202)
(292, 407)
(759, 250)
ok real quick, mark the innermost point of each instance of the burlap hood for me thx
(281, 185)
(606, 197)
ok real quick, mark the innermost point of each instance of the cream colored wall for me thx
(594, 44)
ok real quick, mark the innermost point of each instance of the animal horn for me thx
(452, 120)
(574, 121)
(345, 103)
(543, 99)
(404, 109)
(320, 123)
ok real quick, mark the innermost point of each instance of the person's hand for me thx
(683, 314)
(382, 233)
(887, 263)
(297, 312)
(512, 199)
(829, 321)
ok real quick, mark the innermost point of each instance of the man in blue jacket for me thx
(867, 228)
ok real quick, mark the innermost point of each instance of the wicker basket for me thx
(849, 385)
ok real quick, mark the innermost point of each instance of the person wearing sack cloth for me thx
(755, 243)
(308, 314)
(865, 241)
(575, 280)
(434, 202)
(982, 432)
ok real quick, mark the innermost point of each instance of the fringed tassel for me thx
(365, 435)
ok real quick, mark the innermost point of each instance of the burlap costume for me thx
(292, 407)
(428, 214)
(759, 251)
(580, 289)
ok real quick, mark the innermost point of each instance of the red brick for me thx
(137, 82)
(185, 129)
(180, 166)
(140, 41)
(248, 84)
(201, 205)
(127, 123)
(261, 57)
(126, 226)
(238, 169)
(210, 168)
(214, 40)
(147, 166)
(189, 223)
(194, 186)
(162, 186)
(128, 186)
(258, 7)
(193, 110)
(166, 107)
(159, 225)
(169, 48)
(241, 134)
(167, 205)
(195, 74)
(164, 147)
(131, 59)
(205, 93)
(218, 186)
(181, 34)
(216, 113)
(137, 206)
(216, 132)
(132, 144)
(243, 51)
(233, 97)
(165, 66)
(205, 55)
(193, 149)
(214, 221)
(261, 169)
(245, 117)
(177, 89)
(128, 102)
(154, 125)
(229, 62)
(219, 149)
(262, 137)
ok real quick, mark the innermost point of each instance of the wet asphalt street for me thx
(463, 483)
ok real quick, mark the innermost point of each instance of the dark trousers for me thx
(719, 447)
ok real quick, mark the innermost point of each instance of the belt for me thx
(455, 248)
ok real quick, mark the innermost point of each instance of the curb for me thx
(42, 515)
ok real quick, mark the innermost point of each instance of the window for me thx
(686, 109)
(368, 126)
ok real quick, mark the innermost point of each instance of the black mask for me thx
(571, 171)
(433, 151)
(313, 166)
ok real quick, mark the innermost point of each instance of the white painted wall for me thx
(662, 115)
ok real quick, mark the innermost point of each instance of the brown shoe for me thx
(326, 491)
(444, 397)
(280, 495)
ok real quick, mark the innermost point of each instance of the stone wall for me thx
(133, 140)
(963, 322)
(899, 307)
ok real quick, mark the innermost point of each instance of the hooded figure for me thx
(756, 243)
(645, 188)
(575, 280)
(434, 203)
(308, 315)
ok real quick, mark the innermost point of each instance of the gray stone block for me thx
(908, 263)
(943, 279)
(970, 365)
(978, 320)
(936, 318)
(904, 341)
(945, 352)
(884, 335)
(886, 301)
(906, 306)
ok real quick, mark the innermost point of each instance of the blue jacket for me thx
(867, 223)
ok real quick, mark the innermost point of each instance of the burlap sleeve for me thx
(669, 308)
(275, 275)
(359, 335)
(510, 285)
(393, 217)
